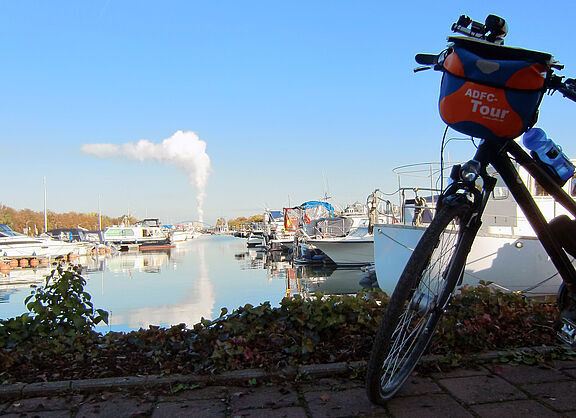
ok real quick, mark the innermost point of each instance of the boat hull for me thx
(347, 252)
(510, 262)
(36, 248)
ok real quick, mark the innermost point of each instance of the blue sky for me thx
(292, 99)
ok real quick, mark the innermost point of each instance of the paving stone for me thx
(514, 409)
(429, 406)
(43, 414)
(476, 371)
(334, 384)
(263, 397)
(208, 392)
(43, 404)
(565, 364)
(291, 412)
(481, 389)
(416, 385)
(115, 406)
(558, 395)
(347, 403)
(528, 374)
(197, 409)
(570, 372)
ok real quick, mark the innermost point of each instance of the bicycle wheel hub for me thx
(567, 333)
(422, 302)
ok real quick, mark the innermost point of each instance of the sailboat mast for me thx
(45, 210)
(99, 215)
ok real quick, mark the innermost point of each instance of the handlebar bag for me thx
(490, 98)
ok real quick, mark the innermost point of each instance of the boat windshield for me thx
(6, 231)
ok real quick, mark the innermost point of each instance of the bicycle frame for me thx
(500, 155)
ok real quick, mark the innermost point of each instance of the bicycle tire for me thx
(417, 303)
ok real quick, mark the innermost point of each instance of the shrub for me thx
(60, 308)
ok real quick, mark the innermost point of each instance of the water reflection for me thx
(178, 291)
(304, 280)
(193, 280)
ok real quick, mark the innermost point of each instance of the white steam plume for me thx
(183, 149)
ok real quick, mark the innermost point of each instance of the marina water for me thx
(193, 280)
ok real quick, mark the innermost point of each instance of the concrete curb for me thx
(18, 390)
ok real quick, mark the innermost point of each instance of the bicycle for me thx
(437, 263)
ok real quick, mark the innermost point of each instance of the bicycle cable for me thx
(442, 159)
(443, 146)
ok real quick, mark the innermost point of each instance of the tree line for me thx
(236, 223)
(32, 222)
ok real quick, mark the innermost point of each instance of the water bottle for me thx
(549, 153)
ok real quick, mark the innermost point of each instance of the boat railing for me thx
(381, 210)
(417, 205)
(419, 186)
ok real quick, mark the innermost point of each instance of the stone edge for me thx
(225, 378)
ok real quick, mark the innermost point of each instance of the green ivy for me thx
(60, 309)
(321, 329)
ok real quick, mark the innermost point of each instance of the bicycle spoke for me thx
(414, 307)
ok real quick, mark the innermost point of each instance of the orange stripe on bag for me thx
(484, 105)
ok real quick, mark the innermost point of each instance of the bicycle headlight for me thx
(470, 171)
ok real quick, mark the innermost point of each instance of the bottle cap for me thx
(532, 137)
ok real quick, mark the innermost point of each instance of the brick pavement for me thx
(491, 390)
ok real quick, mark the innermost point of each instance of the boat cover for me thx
(300, 217)
(333, 227)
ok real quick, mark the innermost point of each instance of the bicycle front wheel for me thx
(417, 303)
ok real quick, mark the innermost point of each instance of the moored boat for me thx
(15, 245)
(146, 232)
(506, 252)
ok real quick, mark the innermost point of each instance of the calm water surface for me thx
(193, 280)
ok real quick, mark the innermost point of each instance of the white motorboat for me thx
(354, 249)
(348, 239)
(506, 251)
(180, 235)
(256, 239)
(15, 245)
(146, 232)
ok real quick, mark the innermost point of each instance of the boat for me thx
(300, 221)
(87, 242)
(146, 232)
(354, 249)
(257, 239)
(281, 239)
(506, 253)
(348, 239)
(15, 245)
(75, 235)
(179, 233)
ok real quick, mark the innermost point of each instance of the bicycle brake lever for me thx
(418, 69)
(426, 59)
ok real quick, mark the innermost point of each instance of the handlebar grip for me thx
(568, 89)
(426, 59)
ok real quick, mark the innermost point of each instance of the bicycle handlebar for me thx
(492, 32)
(567, 88)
